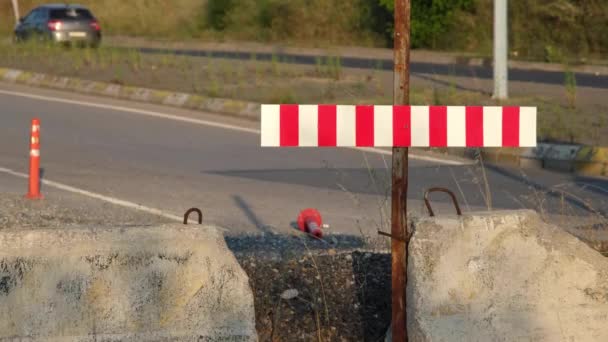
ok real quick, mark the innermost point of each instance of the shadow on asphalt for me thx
(249, 213)
(558, 194)
(508, 188)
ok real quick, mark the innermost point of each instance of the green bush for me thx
(217, 13)
(431, 19)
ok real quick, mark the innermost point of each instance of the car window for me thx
(40, 15)
(31, 17)
(70, 14)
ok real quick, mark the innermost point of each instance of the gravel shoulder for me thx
(61, 210)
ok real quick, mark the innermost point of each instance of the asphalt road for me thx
(173, 165)
(425, 68)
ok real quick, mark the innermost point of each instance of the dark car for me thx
(60, 23)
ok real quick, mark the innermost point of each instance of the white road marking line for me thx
(135, 111)
(108, 199)
(414, 156)
(206, 123)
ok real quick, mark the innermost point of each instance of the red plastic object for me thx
(310, 221)
(34, 180)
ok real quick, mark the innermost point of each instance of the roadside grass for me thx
(274, 81)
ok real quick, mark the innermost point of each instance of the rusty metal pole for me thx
(399, 242)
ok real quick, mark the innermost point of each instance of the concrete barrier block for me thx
(504, 276)
(58, 82)
(508, 156)
(176, 99)
(592, 161)
(171, 282)
(36, 79)
(11, 75)
(560, 157)
(195, 101)
(112, 90)
(141, 94)
(532, 158)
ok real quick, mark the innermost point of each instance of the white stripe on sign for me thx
(346, 124)
(420, 126)
(492, 126)
(35, 153)
(527, 126)
(383, 126)
(271, 125)
(457, 126)
(308, 123)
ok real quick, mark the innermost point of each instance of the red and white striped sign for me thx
(397, 126)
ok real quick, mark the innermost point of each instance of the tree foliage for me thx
(431, 19)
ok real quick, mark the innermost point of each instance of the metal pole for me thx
(16, 11)
(501, 36)
(400, 236)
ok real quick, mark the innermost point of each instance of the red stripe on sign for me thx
(438, 126)
(402, 122)
(289, 125)
(327, 125)
(474, 126)
(365, 126)
(510, 126)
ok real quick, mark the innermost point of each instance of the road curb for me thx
(242, 109)
(592, 161)
(569, 158)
